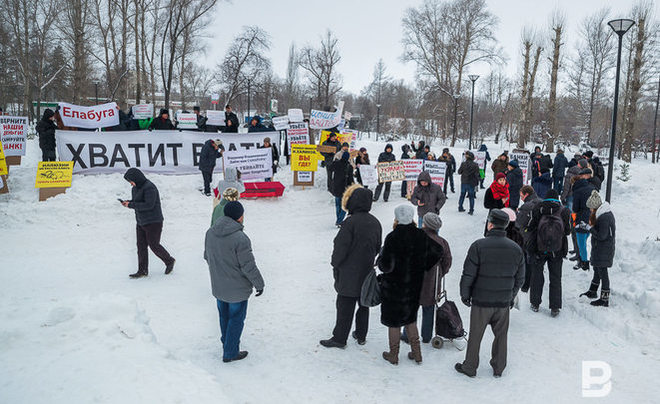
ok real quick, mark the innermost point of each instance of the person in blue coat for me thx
(542, 183)
(211, 151)
(558, 171)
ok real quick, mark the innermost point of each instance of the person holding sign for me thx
(162, 122)
(448, 159)
(275, 154)
(427, 196)
(145, 200)
(231, 120)
(331, 141)
(385, 157)
(46, 130)
(201, 120)
(361, 159)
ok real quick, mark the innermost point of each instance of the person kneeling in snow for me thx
(234, 272)
(146, 203)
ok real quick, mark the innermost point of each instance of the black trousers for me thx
(208, 177)
(329, 180)
(528, 272)
(345, 310)
(601, 275)
(404, 189)
(48, 155)
(148, 235)
(554, 276)
(448, 180)
(379, 188)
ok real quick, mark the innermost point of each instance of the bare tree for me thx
(530, 67)
(321, 67)
(557, 26)
(76, 27)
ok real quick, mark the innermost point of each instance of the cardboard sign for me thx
(254, 164)
(3, 162)
(13, 134)
(326, 149)
(280, 122)
(368, 174)
(324, 119)
(345, 137)
(303, 157)
(297, 133)
(143, 111)
(413, 168)
(215, 118)
(186, 121)
(54, 174)
(97, 116)
(523, 162)
(295, 115)
(303, 178)
(438, 171)
(392, 171)
(4, 189)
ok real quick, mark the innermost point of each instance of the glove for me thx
(259, 292)
(467, 301)
(583, 226)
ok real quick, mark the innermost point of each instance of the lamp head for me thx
(621, 26)
(473, 77)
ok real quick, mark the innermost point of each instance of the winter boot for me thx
(331, 343)
(592, 293)
(415, 349)
(585, 265)
(604, 300)
(241, 355)
(169, 267)
(534, 308)
(138, 274)
(554, 312)
(394, 336)
(359, 341)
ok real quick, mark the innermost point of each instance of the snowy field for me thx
(75, 328)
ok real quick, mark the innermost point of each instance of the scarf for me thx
(500, 192)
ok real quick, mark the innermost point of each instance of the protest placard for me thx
(215, 118)
(522, 156)
(295, 115)
(480, 159)
(344, 137)
(256, 164)
(297, 133)
(324, 119)
(54, 174)
(280, 122)
(94, 117)
(368, 174)
(413, 168)
(3, 162)
(437, 170)
(392, 171)
(303, 178)
(186, 120)
(13, 135)
(303, 157)
(143, 111)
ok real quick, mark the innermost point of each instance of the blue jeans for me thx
(340, 212)
(466, 189)
(569, 202)
(232, 319)
(427, 324)
(421, 221)
(558, 184)
(582, 245)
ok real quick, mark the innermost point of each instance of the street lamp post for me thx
(473, 78)
(248, 101)
(455, 98)
(377, 120)
(620, 27)
(96, 91)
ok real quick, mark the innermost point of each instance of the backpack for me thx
(448, 323)
(550, 233)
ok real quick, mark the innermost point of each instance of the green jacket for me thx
(219, 211)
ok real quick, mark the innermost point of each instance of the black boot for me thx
(331, 343)
(138, 274)
(169, 267)
(584, 265)
(604, 300)
(592, 293)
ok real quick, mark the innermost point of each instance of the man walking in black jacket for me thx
(211, 151)
(469, 171)
(146, 203)
(493, 272)
(355, 247)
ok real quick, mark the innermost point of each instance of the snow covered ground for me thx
(75, 329)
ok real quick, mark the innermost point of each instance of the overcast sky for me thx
(371, 29)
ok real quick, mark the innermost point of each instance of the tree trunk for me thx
(552, 102)
(136, 27)
(523, 97)
(631, 113)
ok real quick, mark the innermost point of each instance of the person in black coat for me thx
(275, 155)
(469, 172)
(602, 227)
(514, 176)
(211, 151)
(559, 170)
(420, 152)
(405, 155)
(145, 200)
(523, 219)
(341, 171)
(362, 159)
(46, 130)
(582, 189)
(406, 255)
(385, 157)
(231, 121)
(201, 120)
(493, 272)
(355, 248)
(162, 122)
(329, 156)
(256, 125)
(448, 159)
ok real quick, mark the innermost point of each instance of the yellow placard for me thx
(3, 163)
(347, 137)
(54, 174)
(303, 157)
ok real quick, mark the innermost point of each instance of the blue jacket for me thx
(560, 165)
(542, 184)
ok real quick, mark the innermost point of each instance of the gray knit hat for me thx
(594, 200)
(498, 219)
(583, 163)
(404, 214)
(432, 221)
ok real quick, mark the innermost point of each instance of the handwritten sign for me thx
(143, 111)
(324, 119)
(523, 162)
(13, 134)
(392, 171)
(215, 118)
(280, 122)
(295, 115)
(345, 137)
(297, 133)
(413, 168)
(368, 174)
(303, 157)
(54, 174)
(303, 178)
(438, 170)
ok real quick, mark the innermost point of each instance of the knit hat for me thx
(589, 153)
(594, 200)
(230, 194)
(585, 171)
(363, 149)
(498, 218)
(445, 150)
(404, 214)
(266, 140)
(432, 221)
(552, 194)
(583, 163)
(234, 210)
(500, 175)
(345, 144)
(513, 163)
(511, 213)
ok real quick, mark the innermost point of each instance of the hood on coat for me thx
(424, 176)
(48, 113)
(388, 146)
(231, 181)
(231, 174)
(356, 198)
(135, 175)
(225, 226)
(483, 147)
(549, 207)
(469, 155)
(605, 207)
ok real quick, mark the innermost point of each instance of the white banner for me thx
(164, 152)
(143, 111)
(413, 168)
(437, 169)
(280, 122)
(186, 120)
(296, 115)
(523, 163)
(255, 164)
(480, 159)
(215, 118)
(97, 116)
(325, 120)
(369, 175)
(297, 133)
(13, 133)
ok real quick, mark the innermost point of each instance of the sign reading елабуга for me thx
(94, 117)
